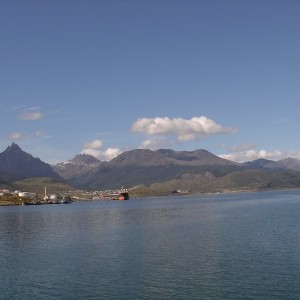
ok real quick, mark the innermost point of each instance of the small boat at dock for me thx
(123, 195)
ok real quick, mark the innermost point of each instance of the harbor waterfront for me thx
(226, 246)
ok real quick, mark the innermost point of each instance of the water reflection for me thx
(242, 246)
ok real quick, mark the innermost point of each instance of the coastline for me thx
(23, 202)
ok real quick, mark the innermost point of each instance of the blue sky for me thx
(103, 77)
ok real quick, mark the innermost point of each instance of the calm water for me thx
(241, 246)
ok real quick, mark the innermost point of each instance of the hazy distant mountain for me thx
(283, 164)
(80, 164)
(262, 163)
(290, 163)
(17, 164)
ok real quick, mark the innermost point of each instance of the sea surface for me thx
(233, 246)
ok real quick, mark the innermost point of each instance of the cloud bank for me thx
(183, 129)
(94, 148)
(253, 154)
(248, 152)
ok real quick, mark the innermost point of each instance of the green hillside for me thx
(249, 180)
(37, 185)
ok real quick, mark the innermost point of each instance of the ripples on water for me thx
(238, 246)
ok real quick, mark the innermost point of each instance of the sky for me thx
(104, 77)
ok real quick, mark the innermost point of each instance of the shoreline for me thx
(6, 203)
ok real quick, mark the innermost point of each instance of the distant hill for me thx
(144, 166)
(283, 164)
(17, 164)
(38, 184)
(140, 157)
(79, 165)
(196, 158)
(262, 163)
(248, 180)
(290, 163)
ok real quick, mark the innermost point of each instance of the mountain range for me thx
(160, 171)
(144, 166)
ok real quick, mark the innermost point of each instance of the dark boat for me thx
(123, 195)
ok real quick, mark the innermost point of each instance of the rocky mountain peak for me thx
(83, 160)
(14, 148)
(21, 164)
(78, 165)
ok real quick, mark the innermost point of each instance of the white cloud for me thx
(95, 144)
(20, 136)
(94, 148)
(15, 136)
(153, 144)
(31, 116)
(184, 130)
(242, 147)
(293, 154)
(252, 154)
(248, 152)
(110, 153)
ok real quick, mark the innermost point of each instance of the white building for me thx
(3, 192)
(26, 194)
